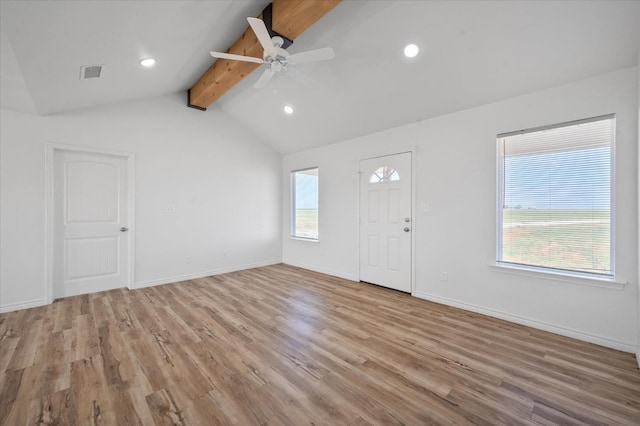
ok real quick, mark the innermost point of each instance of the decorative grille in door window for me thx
(384, 174)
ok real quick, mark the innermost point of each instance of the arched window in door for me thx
(384, 174)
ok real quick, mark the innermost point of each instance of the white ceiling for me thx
(472, 53)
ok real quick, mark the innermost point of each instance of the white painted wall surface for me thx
(455, 173)
(223, 181)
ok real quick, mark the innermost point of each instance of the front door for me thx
(91, 241)
(386, 224)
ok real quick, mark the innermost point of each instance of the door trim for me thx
(378, 154)
(50, 149)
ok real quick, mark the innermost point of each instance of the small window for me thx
(555, 197)
(384, 174)
(304, 202)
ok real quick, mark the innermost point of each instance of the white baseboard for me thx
(22, 305)
(598, 340)
(324, 271)
(203, 274)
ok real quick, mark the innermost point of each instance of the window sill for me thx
(309, 240)
(610, 284)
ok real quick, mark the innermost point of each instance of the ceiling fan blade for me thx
(302, 78)
(311, 56)
(261, 32)
(264, 79)
(233, 57)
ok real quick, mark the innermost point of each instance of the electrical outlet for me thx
(187, 259)
(444, 276)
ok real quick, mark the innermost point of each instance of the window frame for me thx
(500, 199)
(292, 210)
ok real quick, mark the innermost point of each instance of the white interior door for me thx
(386, 225)
(91, 238)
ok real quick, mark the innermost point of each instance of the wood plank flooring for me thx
(283, 346)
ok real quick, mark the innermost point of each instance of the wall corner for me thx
(638, 218)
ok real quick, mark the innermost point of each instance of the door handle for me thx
(406, 229)
(124, 229)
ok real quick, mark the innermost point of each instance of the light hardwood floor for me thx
(284, 346)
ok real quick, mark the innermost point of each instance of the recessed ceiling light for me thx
(147, 62)
(288, 109)
(411, 50)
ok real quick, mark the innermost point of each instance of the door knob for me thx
(124, 229)
(406, 229)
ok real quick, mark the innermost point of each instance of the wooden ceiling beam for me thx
(290, 18)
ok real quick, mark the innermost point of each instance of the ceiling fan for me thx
(276, 58)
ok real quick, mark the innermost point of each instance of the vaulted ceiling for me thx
(471, 53)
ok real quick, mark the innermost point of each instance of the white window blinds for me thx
(555, 197)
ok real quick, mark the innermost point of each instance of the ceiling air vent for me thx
(90, 71)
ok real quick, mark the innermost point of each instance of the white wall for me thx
(223, 181)
(456, 174)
